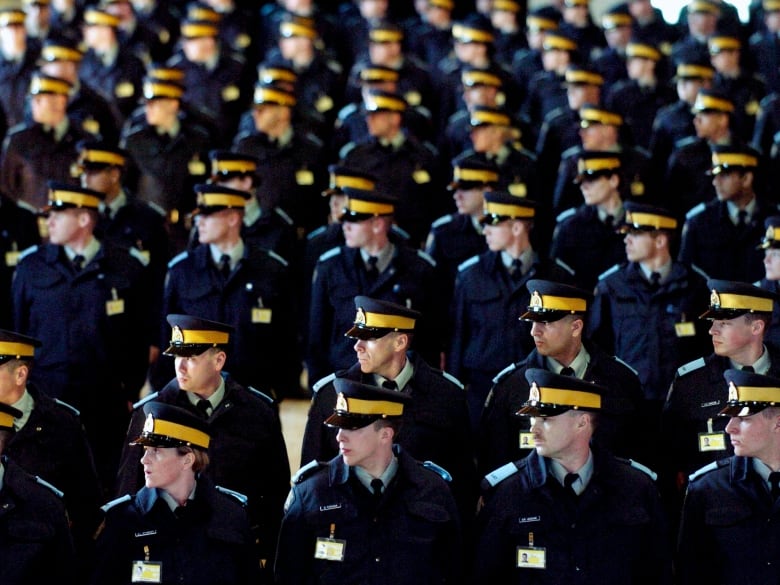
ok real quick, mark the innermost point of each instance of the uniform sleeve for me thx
(128, 479)
(459, 324)
(318, 439)
(694, 563)
(494, 437)
(295, 547)
(320, 325)
(600, 320)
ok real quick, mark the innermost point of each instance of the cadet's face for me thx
(499, 237)
(97, 179)
(581, 94)
(384, 53)
(471, 53)
(753, 436)
(618, 36)
(199, 373)
(486, 138)
(376, 355)
(576, 15)
(555, 60)
(639, 68)
(597, 136)
(772, 263)
(160, 111)
(480, 95)
(728, 185)
(63, 226)
(336, 205)
(701, 23)
(199, 49)
(358, 234)
(640, 246)
(470, 201)
(162, 466)
(299, 50)
(213, 228)
(730, 336)
(382, 124)
(370, 9)
(707, 124)
(66, 70)
(98, 37)
(772, 20)
(359, 447)
(688, 89)
(556, 338)
(48, 108)
(725, 61)
(554, 434)
(596, 191)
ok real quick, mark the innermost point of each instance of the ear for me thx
(661, 241)
(219, 360)
(188, 461)
(387, 434)
(20, 375)
(83, 219)
(757, 327)
(614, 181)
(577, 326)
(401, 342)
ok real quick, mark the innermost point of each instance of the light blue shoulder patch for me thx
(321, 382)
(496, 476)
(609, 271)
(283, 214)
(644, 469)
(506, 371)
(453, 379)
(333, 252)
(696, 364)
(73, 409)
(26, 252)
(564, 215)
(565, 266)
(317, 232)
(306, 471)
(694, 211)
(629, 366)
(704, 470)
(569, 152)
(438, 470)
(346, 149)
(176, 259)
(138, 255)
(685, 141)
(262, 395)
(700, 272)
(242, 499)
(468, 263)
(444, 220)
(278, 258)
(346, 111)
(400, 232)
(46, 484)
(126, 498)
(145, 399)
(427, 257)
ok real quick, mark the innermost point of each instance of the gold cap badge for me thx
(715, 298)
(533, 394)
(341, 403)
(149, 423)
(360, 317)
(177, 336)
(733, 394)
(536, 301)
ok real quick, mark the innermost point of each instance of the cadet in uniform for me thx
(36, 545)
(17, 64)
(18, 231)
(721, 236)
(729, 524)
(179, 527)
(771, 280)
(372, 512)
(243, 425)
(576, 512)
(558, 316)
(490, 294)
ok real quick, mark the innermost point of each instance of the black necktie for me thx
(224, 266)
(774, 484)
(376, 487)
(78, 262)
(568, 482)
(517, 269)
(390, 385)
(748, 369)
(655, 280)
(203, 406)
(742, 218)
(609, 221)
(372, 271)
(567, 371)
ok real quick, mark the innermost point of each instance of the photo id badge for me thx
(527, 440)
(146, 572)
(115, 307)
(685, 329)
(531, 557)
(712, 442)
(261, 315)
(330, 549)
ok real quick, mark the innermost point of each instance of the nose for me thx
(535, 420)
(360, 345)
(341, 436)
(144, 457)
(536, 328)
(732, 426)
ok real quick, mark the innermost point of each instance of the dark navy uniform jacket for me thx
(339, 277)
(613, 533)
(15, 79)
(630, 319)
(767, 124)
(18, 231)
(411, 536)
(210, 543)
(499, 431)
(672, 123)
(120, 82)
(639, 106)
(559, 133)
(745, 91)
(686, 181)
(711, 241)
(35, 543)
(765, 50)
(246, 454)
(453, 240)
(729, 531)
(772, 334)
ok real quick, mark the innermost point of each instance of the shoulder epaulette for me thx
(259, 394)
(427, 257)
(346, 149)
(106, 507)
(696, 364)
(73, 409)
(566, 214)
(565, 266)
(178, 258)
(284, 215)
(609, 271)
(59, 493)
(438, 470)
(572, 150)
(26, 252)
(510, 368)
(629, 366)
(694, 211)
(334, 66)
(242, 499)
(321, 382)
(707, 468)
(685, 141)
(145, 399)
(347, 110)
(643, 150)
(314, 139)
(431, 147)
(307, 470)
(444, 220)
(700, 272)
(643, 468)
(424, 112)
(138, 255)
(498, 475)
(452, 379)
(320, 230)
(468, 263)
(278, 258)
(330, 254)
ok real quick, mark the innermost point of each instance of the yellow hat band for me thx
(55, 53)
(43, 85)
(192, 30)
(11, 18)
(167, 74)
(351, 182)
(659, 222)
(702, 7)
(616, 20)
(378, 75)
(464, 34)
(559, 43)
(758, 394)
(385, 36)
(17, 349)
(95, 18)
(371, 207)
(267, 95)
(495, 118)
(643, 52)
(181, 433)
(695, 71)
(446, 4)
(382, 321)
(707, 102)
(734, 160)
(73, 198)
(475, 175)
(6, 420)
(162, 90)
(203, 337)
(553, 303)
(771, 5)
(569, 398)
(278, 74)
(292, 29)
(102, 157)
(222, 199)
(601, 117)
(509, 210)
(380, 407)
(584, 77)
(480, 78)
(724, 44)
(598, 164)
(745, 302)
(506, 6)
(381, 102)
(539, 23)
(233, 166)
(197, 13)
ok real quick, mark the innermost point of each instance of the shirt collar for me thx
(579, 364)
(118, 203)
(664, 271)
(25, 404)
(387, 476)
(585, 473)
(252, 211)
(384, 257)
(168, 499)
(88, 253)
(215, 399)
(526, 259)
(734, 210)
(236, 253)
(761, 365)
(402, 379)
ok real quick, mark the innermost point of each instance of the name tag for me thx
(11, 258)
(304, 177)
(115, 307)
(527, 440)
(261, 315)
(421, 176)
(330, 549)
(531, 557)
(685, 329)
(146, 572)
(712, 442)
